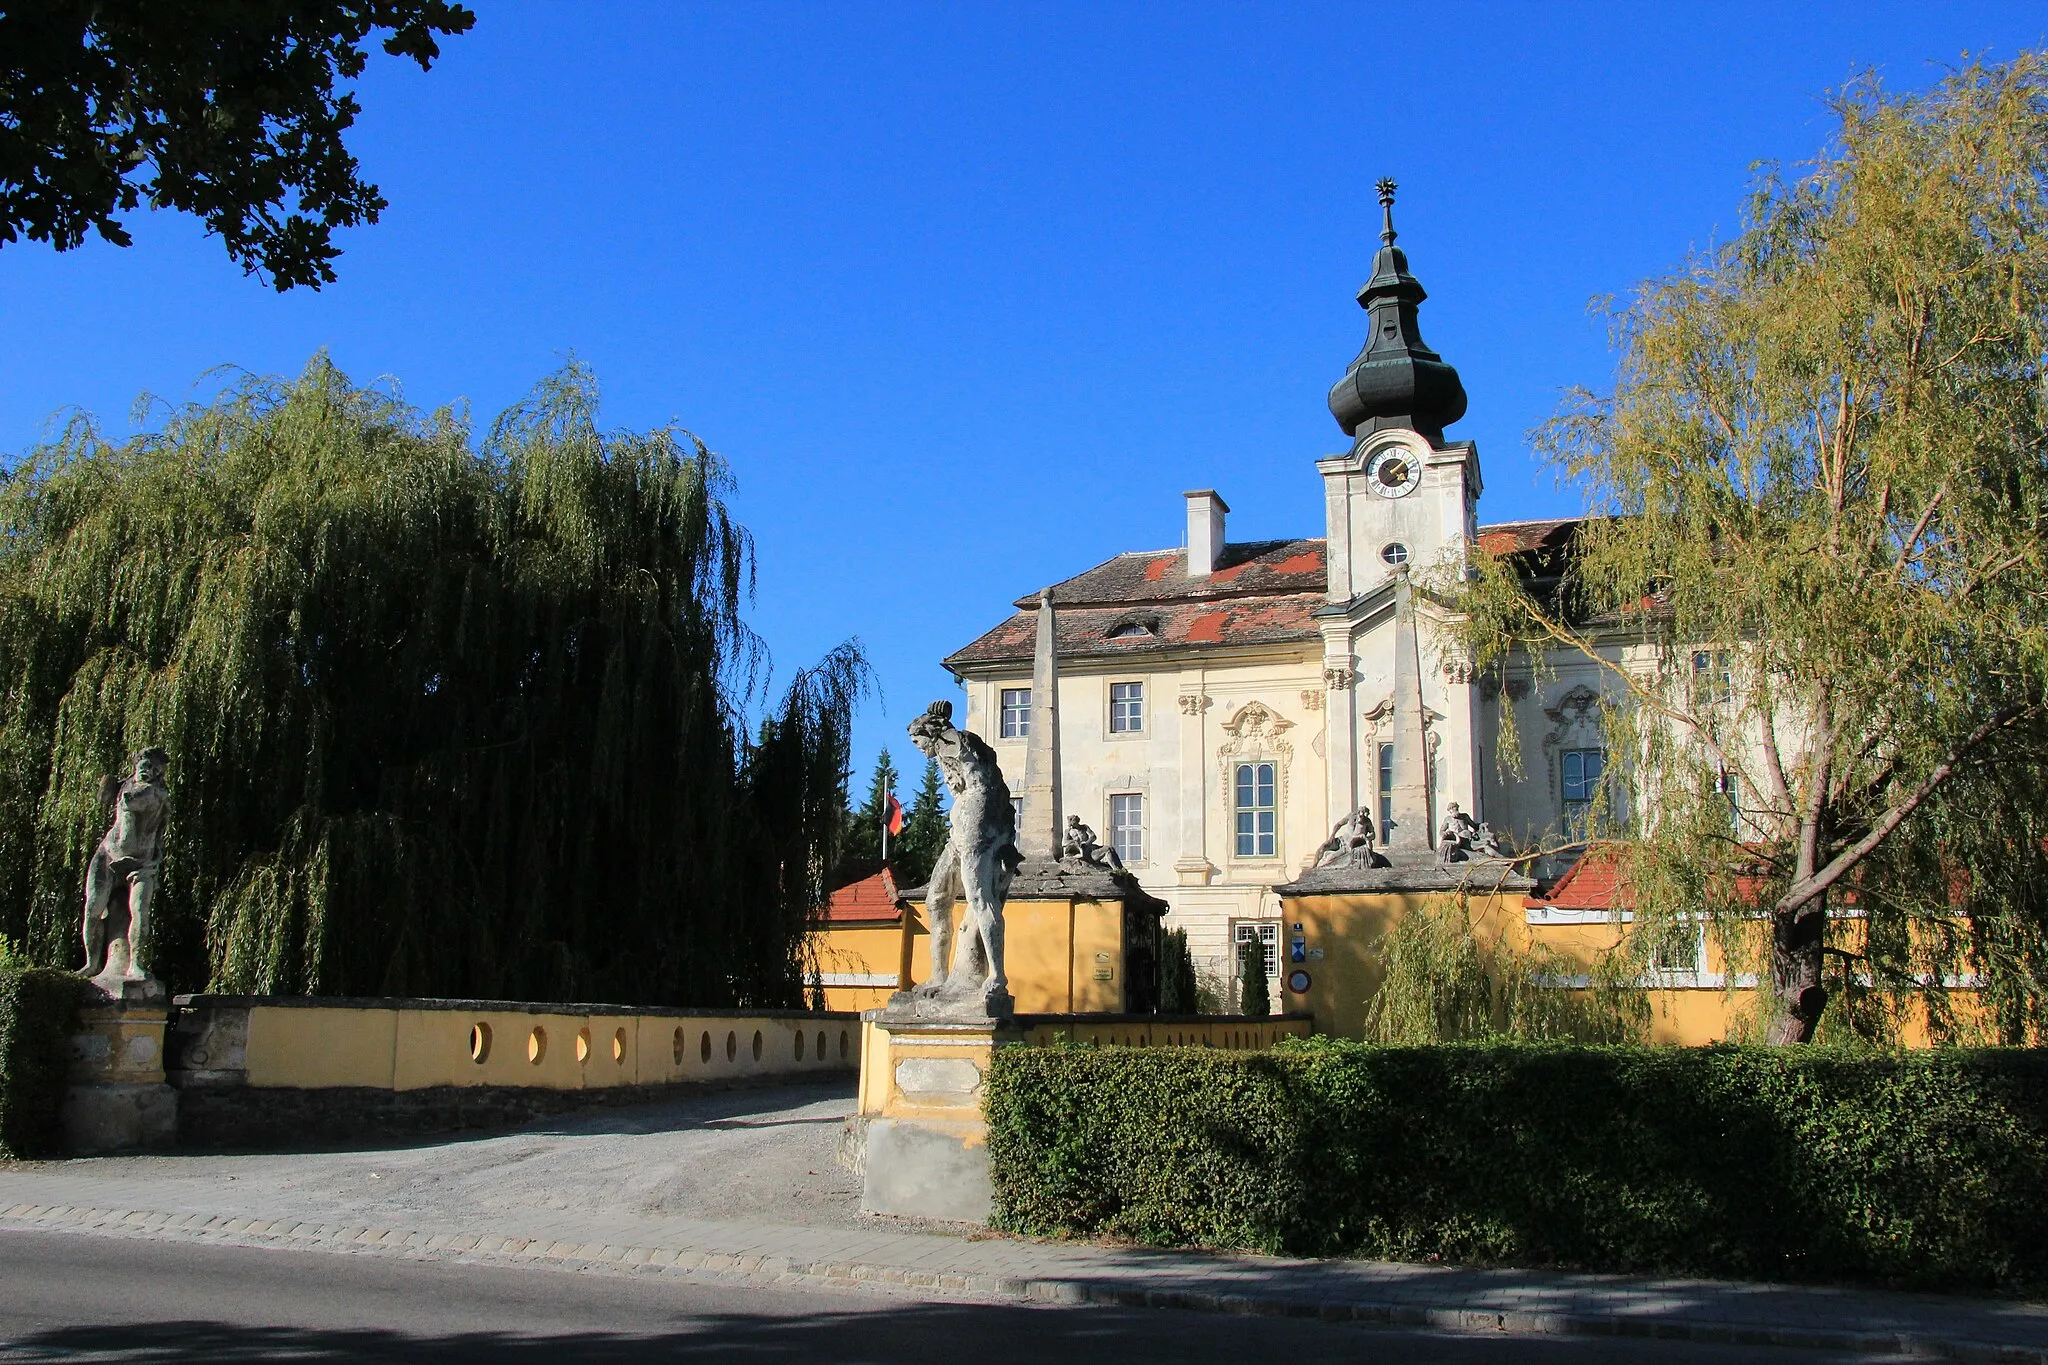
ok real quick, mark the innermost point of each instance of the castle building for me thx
(1221, 705)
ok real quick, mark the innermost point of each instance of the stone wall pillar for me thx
(118, 1098)
(924, 1138)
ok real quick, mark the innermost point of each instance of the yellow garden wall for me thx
(413, 1045)
(1348, 929)
(860, 965)
(1061, 956)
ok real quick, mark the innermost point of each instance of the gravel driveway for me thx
(763, 1155)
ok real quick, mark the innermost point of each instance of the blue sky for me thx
(968, 294)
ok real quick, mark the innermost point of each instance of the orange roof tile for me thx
(871, 900)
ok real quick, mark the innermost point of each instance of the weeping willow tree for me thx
(1440, 983)
(1819, 583)
(448, 715)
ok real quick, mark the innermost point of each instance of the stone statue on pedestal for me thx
(978, 862)
(120, 882)
(1350, 843)
(1082, 846)
(1455, 841)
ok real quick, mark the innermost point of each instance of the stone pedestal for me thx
(925, 1141)
(118, 1099)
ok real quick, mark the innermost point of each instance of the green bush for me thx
(1179, 990)
(1252, 1001)
(1927, 1169)
(37, 1012)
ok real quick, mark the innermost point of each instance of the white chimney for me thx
(1205, 531)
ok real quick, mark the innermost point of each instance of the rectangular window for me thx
(1725, 784)
(1127, 826)
(1713, 681)
(1017, 808)
(1265, 933)
(1677, 949)
(1126, 708)
(1257, 816)
(1581, 771)
(1386, 790)
(1016, 713)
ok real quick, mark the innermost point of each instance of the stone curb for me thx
(784, 1271)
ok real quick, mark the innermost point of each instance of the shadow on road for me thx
(989, 1335)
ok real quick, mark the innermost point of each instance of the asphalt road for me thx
(66, 1298)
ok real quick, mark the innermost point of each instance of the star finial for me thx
(1386, 189)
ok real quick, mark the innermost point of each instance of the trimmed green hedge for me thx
(1926, 1169)
(38, 1010)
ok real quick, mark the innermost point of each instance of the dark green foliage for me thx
(1254, 1001)
(1921, 1169)
(222, 108)
(924, 830)
(445, 717)
(38, 1011)
(1178, 991)
(862, 843)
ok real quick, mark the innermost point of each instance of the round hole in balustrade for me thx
(704, 1048)
(820, 1054)
(757, 1045)
(679, 1047)
(479, 1042)
(799, 1044)
(536, 1045)
(582, 1045)
(732, 1046)
(844, 1044)
(619, 1046)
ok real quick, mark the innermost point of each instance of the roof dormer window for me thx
(1130, 630)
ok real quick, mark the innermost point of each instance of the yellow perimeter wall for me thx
(879, 1095)
(397, 1048)
(1348, 929)
(878, 951)
(1062, 957)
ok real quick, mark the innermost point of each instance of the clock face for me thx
(1393, 472)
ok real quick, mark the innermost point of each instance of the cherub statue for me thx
(976, 865)
(122, 874)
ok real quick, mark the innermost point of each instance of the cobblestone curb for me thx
(924, 1281)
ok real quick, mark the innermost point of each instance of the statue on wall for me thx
(120, 882)
(976, 866)
(1350, 842)
(1082, 846)
(1455, 841)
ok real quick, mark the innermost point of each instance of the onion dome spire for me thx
(1396, 381)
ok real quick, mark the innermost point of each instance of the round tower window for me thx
(1396, 553)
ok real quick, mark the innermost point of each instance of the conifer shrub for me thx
(1253, 1000)
(1923, 1170)
(1179, 989)
(38, 1010)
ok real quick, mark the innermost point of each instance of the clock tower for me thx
(1401, 511)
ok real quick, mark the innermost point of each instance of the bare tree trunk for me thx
(1796, 943)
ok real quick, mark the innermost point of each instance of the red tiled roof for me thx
(1262, 592)
(1251, 567)
(1517, 537)
(1594, 882)
(1087, 631)
(871, 900)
